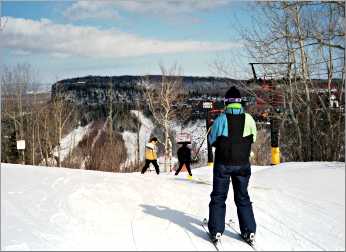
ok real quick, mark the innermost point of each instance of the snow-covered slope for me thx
(298, 206)
(69, 142)
(130, 138)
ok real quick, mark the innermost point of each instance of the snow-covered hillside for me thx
(130, 138)
(198, 132)
(69, 142)
(298, 206)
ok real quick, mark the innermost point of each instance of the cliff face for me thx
(95, 90)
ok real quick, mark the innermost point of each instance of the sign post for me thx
(21, 148)
(207, 105)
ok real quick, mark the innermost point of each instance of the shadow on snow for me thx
(182, 219)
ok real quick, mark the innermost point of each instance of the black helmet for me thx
(153, 139)
(232, 96)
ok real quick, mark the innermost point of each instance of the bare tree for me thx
(18, 106)
(309, 37)
(110, 108)
(46, 134)
(100, 152)
(62, 112)
(161, 99)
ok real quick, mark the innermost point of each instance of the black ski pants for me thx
(240, 176)
(187, 165)
(147, 163)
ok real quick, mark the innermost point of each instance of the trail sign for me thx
(21, 145)
(183, 137)
(207, 105)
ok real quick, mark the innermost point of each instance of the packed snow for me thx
(297, 206)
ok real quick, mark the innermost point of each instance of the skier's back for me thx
(184, 154)
(232, 134)
(184, 157)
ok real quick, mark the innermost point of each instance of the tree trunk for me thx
(33, 143)
(166, 147)
(59, 146)
(303, 60)
(138, 146)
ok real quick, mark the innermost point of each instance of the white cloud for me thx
(102, 10)
(110, 9)
(20, 52)
(44, 36)
(172, 7)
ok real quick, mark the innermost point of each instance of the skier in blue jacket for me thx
(232, 134)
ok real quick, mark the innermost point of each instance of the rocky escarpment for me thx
(93, 90)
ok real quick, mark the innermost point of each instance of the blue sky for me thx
(64, 39)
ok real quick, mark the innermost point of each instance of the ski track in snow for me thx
(296, 207)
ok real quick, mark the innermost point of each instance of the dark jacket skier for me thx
(184, 157)
(232, 134)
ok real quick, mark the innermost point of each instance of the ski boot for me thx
(249, 237)
(216, 238)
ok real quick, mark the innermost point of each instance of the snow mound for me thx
(297, 206)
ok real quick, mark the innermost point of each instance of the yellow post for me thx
(275, 155)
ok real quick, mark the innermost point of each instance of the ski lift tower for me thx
(275, 100)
